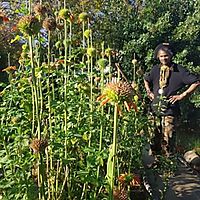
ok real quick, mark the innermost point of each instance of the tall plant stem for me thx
(34, 88)
(66, 78)
(134, 69)
(91, 100)
(109, 64)
(49, 110)
(102, 110)
(35, 95)
(83, 29)
(114, 148)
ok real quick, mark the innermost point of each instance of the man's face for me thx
(164, 57)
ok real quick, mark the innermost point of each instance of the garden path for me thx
(185, 185)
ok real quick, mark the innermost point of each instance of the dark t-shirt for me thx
(179, 77)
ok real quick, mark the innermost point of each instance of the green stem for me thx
(35, 93)
(114, 148)
(35, 99)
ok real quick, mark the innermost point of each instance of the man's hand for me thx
(150, 95)
(175, 98)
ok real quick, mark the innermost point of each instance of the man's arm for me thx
(148, 90)
(187, 92)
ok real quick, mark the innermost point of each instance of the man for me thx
(163, 85)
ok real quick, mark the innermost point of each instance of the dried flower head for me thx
(83, 17)
(49, 24)
(38, 146)
(120, 194)
(119, 92)
(39, 9)
(29, 25)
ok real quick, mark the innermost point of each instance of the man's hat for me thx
(163, 46)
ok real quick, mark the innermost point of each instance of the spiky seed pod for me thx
(39, 9)
(121, 194)
(108, 52)
(38, 146)
(102, 63)
(91, 51)
(29, 25)
(83, 17)
(87, 33)
(49, 24)
(120, 91)
(124, 90)
(64, 14)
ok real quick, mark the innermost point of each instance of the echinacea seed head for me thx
(49, 24)
(39, 9)
(38, 145)
(29, 25)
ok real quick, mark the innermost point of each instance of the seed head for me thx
(38, 146)
(64, 14)
(29, 25)
(87, 33)
(120, 92)
(102, 63)
(49, 24)
(120, 194)
(39, 9)
(91, 51)
(83, 17)
(108, 52)
(134, 61)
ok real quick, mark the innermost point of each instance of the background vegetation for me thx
(57, 142)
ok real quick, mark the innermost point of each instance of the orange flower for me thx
(129, 179)
(9, 69)
(136, 181)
